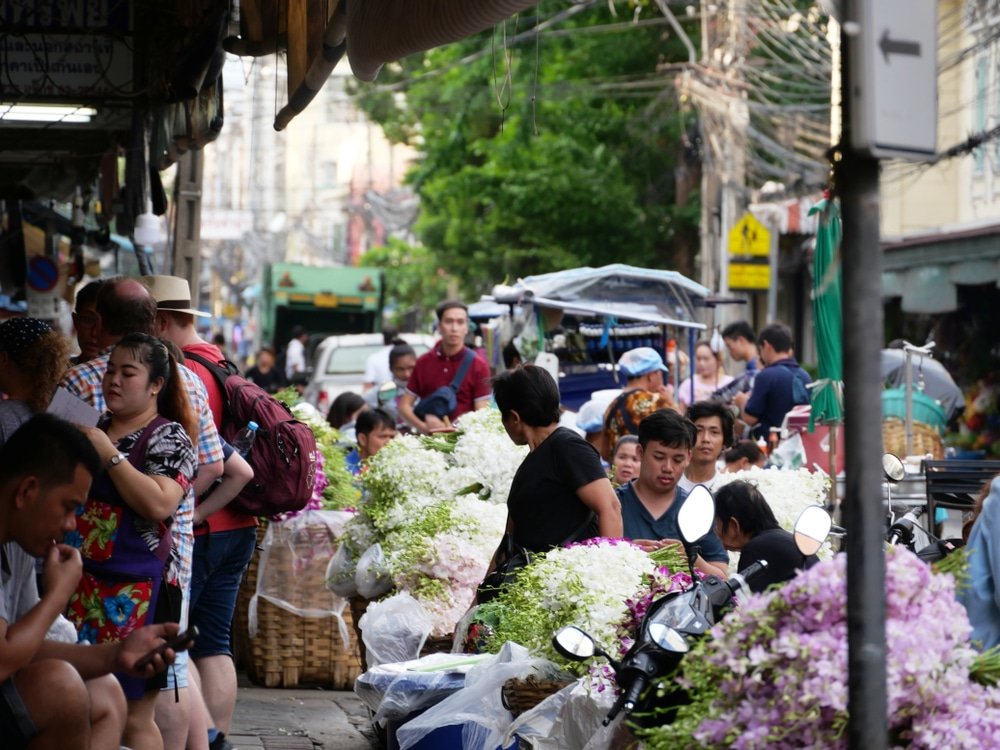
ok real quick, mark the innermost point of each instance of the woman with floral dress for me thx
(146, 441)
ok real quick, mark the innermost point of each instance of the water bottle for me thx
(243, 443)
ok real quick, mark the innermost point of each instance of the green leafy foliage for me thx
(582, 155)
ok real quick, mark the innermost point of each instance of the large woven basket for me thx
(926, 439)
(291, 651)
(520, 695)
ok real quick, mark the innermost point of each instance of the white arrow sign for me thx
(893, 71)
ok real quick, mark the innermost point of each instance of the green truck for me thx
(323, 300)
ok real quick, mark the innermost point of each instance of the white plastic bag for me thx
(568, 720)
(790, 453)
(394, 630)
(372, 578)
(477, 707)
(340, 573)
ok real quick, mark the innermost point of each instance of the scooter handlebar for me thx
(902, 530)
(745, 575)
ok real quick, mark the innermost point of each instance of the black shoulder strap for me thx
(456, 383)
(220, 368)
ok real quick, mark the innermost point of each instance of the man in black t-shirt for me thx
(561, 485)
(746, 524)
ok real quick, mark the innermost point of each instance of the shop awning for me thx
(616, 290)
(925, 269)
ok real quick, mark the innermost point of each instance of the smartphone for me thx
(180, 642)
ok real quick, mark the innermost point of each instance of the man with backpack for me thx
(778, 387)
(449, 380)
(225, 540)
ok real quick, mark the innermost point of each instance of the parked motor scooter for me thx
(675, 620)
(902, 530)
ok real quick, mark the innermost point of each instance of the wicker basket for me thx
(520, 695)
(926, 439)
(290, 651)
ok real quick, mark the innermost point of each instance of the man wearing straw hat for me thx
(224, 540)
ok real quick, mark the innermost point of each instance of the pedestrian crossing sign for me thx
(749, 238)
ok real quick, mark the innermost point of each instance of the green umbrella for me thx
(827, 399)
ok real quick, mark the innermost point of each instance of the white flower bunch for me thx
(438, 536)
(443, 570)
(586, 584)
(486, 453)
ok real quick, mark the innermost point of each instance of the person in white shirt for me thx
(377, 369)
(295, 354)
(714, 424)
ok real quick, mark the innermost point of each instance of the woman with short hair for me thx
(746, 524)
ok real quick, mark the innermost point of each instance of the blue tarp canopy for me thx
(616, 290)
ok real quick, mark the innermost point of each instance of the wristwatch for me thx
(115, 460)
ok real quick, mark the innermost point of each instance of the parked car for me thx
(339, 364)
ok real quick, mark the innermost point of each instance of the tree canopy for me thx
(546, 145)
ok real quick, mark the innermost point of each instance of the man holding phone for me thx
(56, 694)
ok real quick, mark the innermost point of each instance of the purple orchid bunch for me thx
(774, 672)
(660, 583)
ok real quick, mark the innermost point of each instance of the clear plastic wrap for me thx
(394, 691)
(478, 707)
(293, 563)
(394, 630)
(340, 573)
(372, 577)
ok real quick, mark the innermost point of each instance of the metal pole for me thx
(908, 395)
(772, 286)
(858, 187)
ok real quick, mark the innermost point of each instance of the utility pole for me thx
(857, 182)
(186, 261)
(724, 121)
(889, 103)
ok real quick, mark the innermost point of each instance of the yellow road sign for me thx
(749, 237)
(750, 276)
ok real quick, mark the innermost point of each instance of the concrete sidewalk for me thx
(299, 719)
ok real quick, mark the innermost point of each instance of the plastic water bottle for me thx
(243, 443)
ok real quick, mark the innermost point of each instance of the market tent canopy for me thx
(616, 290)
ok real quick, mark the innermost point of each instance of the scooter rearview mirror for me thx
(573, 643)
(697, 516)
(811, 529)
(667, 638)
(892, 467)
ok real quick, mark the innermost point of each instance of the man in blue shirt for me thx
(778, 387)
(651, 501)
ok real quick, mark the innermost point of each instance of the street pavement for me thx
(299, 719)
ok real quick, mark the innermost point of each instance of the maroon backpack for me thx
(283, 456)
